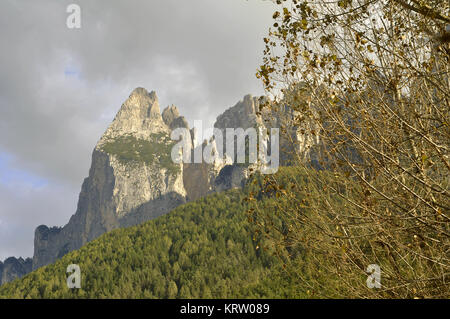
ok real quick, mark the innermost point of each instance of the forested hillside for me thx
(273, 239)
(204, 249)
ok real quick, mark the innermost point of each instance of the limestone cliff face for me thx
(14, 268)
(245, 114)
(132, 179)
(199, 178)
(242, 115)
(172, 118)
(295, 143)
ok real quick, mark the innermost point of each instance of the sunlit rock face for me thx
(132, 179)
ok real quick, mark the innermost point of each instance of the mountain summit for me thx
(132, 179)
(139, 115)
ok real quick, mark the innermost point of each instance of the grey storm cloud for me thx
(60, 87)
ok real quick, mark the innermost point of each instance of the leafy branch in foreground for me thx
(370, 80)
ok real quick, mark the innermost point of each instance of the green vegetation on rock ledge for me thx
(128, 148)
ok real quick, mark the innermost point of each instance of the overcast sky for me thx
(60, 88)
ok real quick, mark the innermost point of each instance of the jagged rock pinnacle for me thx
(172, 118)
(169, 114)
(139, 116)
(144, 103)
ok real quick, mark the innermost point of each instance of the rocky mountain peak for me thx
(243, 114)
(139, 116)
(14, 268)
(171, 117)
(170, 113)
(132, 179)
(144, 104)
(249, 104)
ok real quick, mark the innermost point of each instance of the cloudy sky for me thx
(60, 87)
